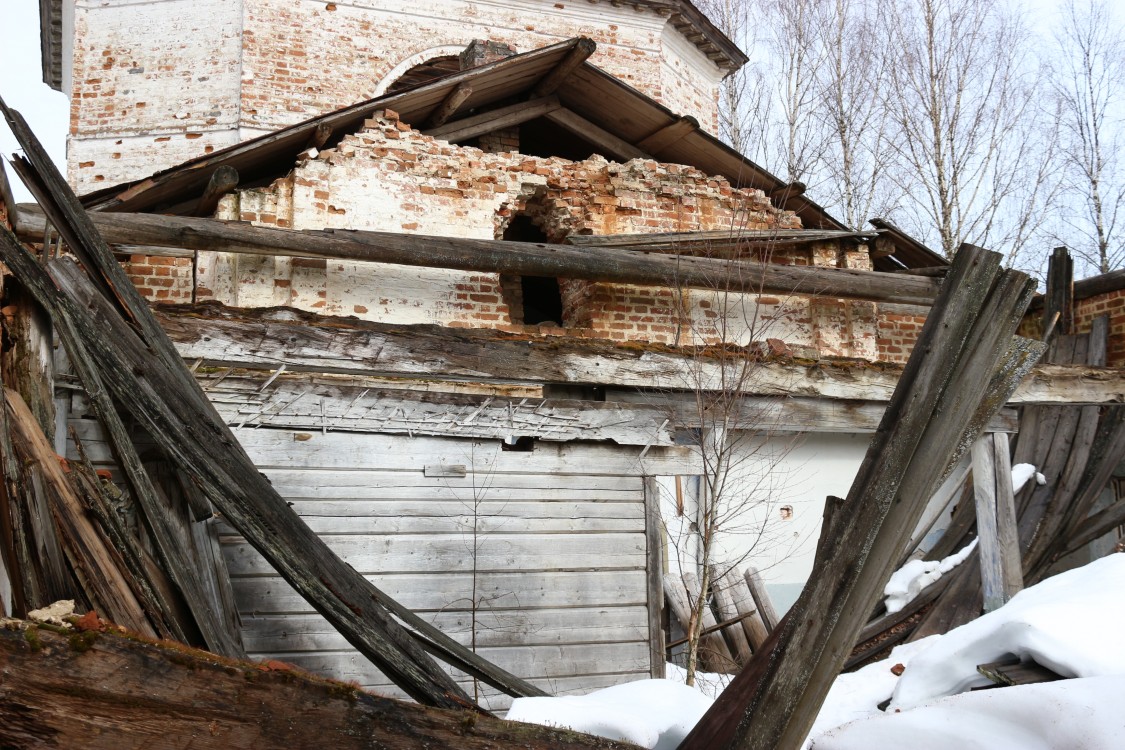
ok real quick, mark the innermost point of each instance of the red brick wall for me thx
(898, 329)
(161, 279)
(1113, 305)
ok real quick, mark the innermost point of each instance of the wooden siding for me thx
(559, 570)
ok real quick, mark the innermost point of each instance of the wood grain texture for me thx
(106, 692)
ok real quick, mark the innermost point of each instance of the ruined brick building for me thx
(571, 124)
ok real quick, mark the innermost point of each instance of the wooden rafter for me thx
(596, 135)
(495, 119)
(449, 105)
(668, 135)
(550, 83)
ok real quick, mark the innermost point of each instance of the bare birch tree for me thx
(1090, 84)
(859, 152)
(743, 479)
(970, 140)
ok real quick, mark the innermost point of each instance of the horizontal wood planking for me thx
(422, 592)
(339, 451)
(452, 518)
(532, 662)
(444, 553)
(496, 627)
(225, 337)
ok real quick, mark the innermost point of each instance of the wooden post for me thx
(724, 601)
(713, 651)
(762, 598)
(1001, 571)
(752, 623)
(964, 366)
(1058, 309)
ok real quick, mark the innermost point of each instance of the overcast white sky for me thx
(46, 110)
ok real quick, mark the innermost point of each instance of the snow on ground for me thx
(1083, 713)
(650, 713)
(1070, 623)
(909, 580)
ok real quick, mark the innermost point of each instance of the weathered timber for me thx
(725, 609)
(298, 401)
(487, 122)
(97, 566)
(1013, 672)
(762, 599)
(223, 180)
(601, 138)
(654, 574)
(198, 442)
(105, 691)
(305, 342)
(449, 105)
(1058, 310)
(1001, 570)
(782, 414)
(668, 135)
(941, 502)
(1068, 500)
(550, 83)
(774, 701)
(714, 654)
(591, 262)
(164, 397)
(752, 623)
(1107, 451)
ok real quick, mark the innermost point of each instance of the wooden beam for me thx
(235, 337)
(101, 689)
(1058, 312)
(105, 312)
(498, 256)
(1001, 571)
(223, 180)
(669, 135)
(550, 83)
(601, 138)
(775, 700)
(449, 105)
(791, 190)
(494, 119)
(319, 136)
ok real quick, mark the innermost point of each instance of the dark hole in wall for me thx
(534, 299)
(541, 137)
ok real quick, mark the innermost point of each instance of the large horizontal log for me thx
(104, 690)
(305, 342)
(498, 256)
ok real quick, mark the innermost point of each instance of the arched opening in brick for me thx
(531, 300)
(424, 72)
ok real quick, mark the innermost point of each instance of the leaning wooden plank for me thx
(96, 565)
(71, 221)
(752, 623)
(101, 690)
(1002, 573)
(499, 256)
(347, 598)
(166, 525)
(201, 444)
(762, 599)
(259, 339)
(724, 606)
(774, 701)
(714, 655)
